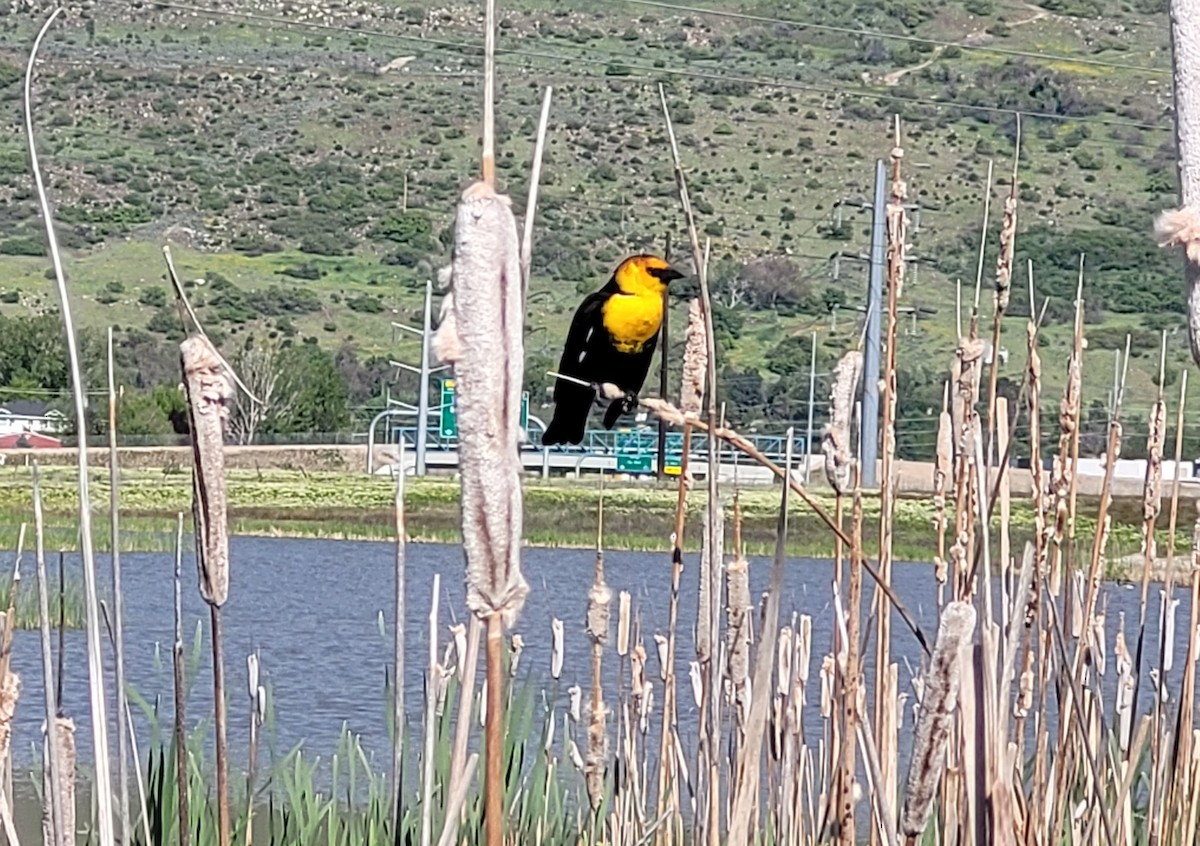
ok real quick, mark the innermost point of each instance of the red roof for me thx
(28, 440)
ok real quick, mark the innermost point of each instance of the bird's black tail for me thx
(571, 407)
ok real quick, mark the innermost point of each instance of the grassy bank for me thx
(559, 513)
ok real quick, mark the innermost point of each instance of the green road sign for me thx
(449, 419)
(448, 428)
(635, 462)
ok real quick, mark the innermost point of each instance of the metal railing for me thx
(620, 441)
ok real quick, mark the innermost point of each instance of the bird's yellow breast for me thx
(632, 320)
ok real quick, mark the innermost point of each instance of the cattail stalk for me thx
(896, 237)
(1066, 481)
(209, 395)
(598, 611)
(1176, 789)
(1004, 269)
(851, 676)
(481, 336)
(398, 646)
(257, 708)
(182, 764)
(1151, 508)
(738, 622)
(114, 482)
(943, 467)
(708, 819)
(430, 715)
(54, 797)
(98, 701)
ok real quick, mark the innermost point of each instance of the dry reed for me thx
(97, 699)
(118, 621)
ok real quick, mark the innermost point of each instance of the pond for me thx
(320, 613)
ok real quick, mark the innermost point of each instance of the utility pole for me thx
(869, 436)
(812, 387)
(663, 383)
(423, 373)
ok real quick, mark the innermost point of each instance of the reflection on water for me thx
(320, 612)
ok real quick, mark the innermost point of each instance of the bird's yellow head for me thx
(645, 274)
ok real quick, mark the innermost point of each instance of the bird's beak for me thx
(671, 274)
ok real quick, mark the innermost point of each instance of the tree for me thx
(312, 394)
(258, 366)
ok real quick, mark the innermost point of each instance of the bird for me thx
(611, 341)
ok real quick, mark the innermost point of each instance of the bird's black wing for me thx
(582, 358)
(583, 338)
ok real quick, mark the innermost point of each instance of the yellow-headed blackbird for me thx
(611, 340)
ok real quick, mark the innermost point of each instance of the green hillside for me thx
(304, 158)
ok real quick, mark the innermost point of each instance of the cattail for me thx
(828, 674)
(596, 763)
(938, 702)
(517, 647)
(711, 551)
(1169, 609)
(661, 643)
(575, 700)
(481, 335)
(839, 457)
(695, 361)
(459, 633)
(623, 620)
(556, 651)
(1180, 227)
(64, 732)
(697, 682)
(804, 648)
(599, 606)
(896, 220)
(209, 393)
(1125, 686)
(1004, 261)
(1152, 489)
(943, 468)
(966, 371)
(737, 630)
(637, 669)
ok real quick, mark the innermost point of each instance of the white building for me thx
(17, 416)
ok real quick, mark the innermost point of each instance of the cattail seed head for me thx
(1004, 262)
(695, 360)
(939, 700)
(1180, 227)
(839, 458)
(209, 394)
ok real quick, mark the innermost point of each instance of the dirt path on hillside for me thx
(971, 39)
